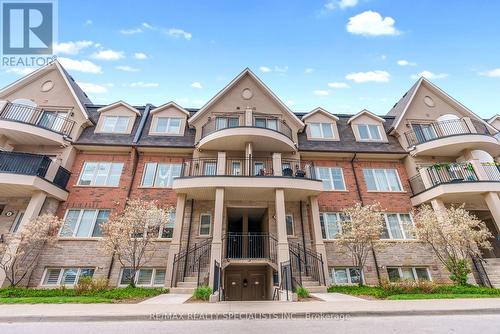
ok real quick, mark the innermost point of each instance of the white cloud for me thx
(277, 69)
(290, 102)
(429, 75)
(264, 69)
(338, 85)
(148, 26)
(342, 4)
(85, 66)
(92, 88)
(89, 22)
(178, 33)
(140, 56)
(108, 55)
(404, 62)
(196, 84)
(126, 68)
(71, 48)
(495, 73)
(308, 70)
(321, 92)
(141, 84)
(370, 76)
(371, 23)
(20, 70)
(131, 31)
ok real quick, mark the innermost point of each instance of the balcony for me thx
(455, 182)
(33, 125)
(227, 133)
(23, 173)
(449, 138)
(250, 246)
(246, 178)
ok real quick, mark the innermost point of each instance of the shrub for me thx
(88, 284)
(408, 286)
(302, 292)
(459, 270)
(202, 293)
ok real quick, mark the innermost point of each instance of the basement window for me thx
(65, 276)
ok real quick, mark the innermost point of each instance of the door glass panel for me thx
(260, 122)
(221, 123)
(234, 122)
(210, 168)
(272, 124)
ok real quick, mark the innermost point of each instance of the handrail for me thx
(483, 275)
(306, 262)
(250, 245)
(211, 126)
(41, 117)
(189, 261)
(24, 163)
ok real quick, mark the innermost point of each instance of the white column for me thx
(248, 155)
(318, 237)
(493, 203)
(216, 252)
(248, 116)
(175, 245)
(283, 251)
(221, 163)
(277, 169)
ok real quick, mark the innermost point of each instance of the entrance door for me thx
(256, 286)
(245, 283)
(233, 287)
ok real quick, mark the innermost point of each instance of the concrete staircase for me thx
(187, 286)
(492, 267)
(312, 286)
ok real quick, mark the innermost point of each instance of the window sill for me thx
(161, 188)
(336, 191)
(388, 192)
(90, 186)
(164, 239)
(204, 236)
(79, 238)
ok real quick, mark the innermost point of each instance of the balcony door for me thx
(424, 132)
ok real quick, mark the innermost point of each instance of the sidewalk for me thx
(241, 310)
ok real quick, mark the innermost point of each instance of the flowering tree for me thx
(22, 249)
(454, 234)
(362, 227)
(130, 235)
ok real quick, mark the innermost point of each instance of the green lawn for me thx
(395, 292)
(61, 296)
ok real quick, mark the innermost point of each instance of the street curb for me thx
(203, 316)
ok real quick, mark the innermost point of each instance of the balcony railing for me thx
(252, 166)
(264, 123)
(425, 132)
(62, 177)
(40, 117)
(491, 171)
(250, 246)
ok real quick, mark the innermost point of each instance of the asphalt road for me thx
(483, 324)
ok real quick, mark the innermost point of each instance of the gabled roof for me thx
(168, 105)
(322, 111)
(365, 112)
(233, 83)
(491, 120)
(400, 108)
(118, 103)
(78, 94)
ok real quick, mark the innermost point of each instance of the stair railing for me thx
(306, 262)
(190, 261)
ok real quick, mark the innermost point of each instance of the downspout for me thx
(189, 234)
(360, 196)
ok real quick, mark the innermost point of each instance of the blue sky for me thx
(343, 55)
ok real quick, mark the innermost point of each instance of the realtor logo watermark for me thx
(28, 31)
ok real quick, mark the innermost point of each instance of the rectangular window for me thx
(115, 124)
(17, 221)
(408, 273)
(331, 224)
(205, 223)
(236, 168)
(369, 132)
(269, 123)
(332, 177)
(345, 275)
(321, 130)
(167, 231)
(65, 276)
(210, 168)
(398, 226)
(382, 180)
(101, 174)
(258, 168)
(160, 175)
(226, 122)
(144, 277)
(168, 125)
(84, 223)
(289, 225)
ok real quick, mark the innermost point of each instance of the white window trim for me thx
(349, 279)
(151, 284)
(400, 221)
(293, 225)
(331, 177)
(92, 182)
(17, 220)
(321, 130)
(160, 233)
(325, 224)
(369, 133)
(102, 129)
(414, 271)
(156, 172)
(210, 226)
(167, 132)
(386, 178)
(61, 273)
(79, 221)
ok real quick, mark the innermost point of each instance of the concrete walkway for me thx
(168, 299)
(243, 310)
(337, 297)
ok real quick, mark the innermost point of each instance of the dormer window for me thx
(115, 124)
(168, 125)
(369, 132)
(321, 130)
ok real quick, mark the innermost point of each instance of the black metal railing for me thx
(286, 283)
(250, 246)
(298, 168)
(491, 171)
(192, 262)
(199, 167)
(62, 177)
(273, 124)
(481, 271)
(451, 173)
(417, 184)
(424, 132)
(305, 262)
(218, 280)
(24, 163)
(44, 118)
